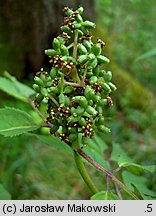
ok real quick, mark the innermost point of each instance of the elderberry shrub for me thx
(76, 89)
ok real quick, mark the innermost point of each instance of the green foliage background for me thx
(32, 170)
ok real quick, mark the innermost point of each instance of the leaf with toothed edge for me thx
(14, 122)
(16, 89)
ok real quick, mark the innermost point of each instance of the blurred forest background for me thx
(31, 170)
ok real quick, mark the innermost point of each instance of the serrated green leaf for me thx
(96, 153)
(14, 122)
(139, 182)
(123, 160)
(105, 195)
(16, 89)
(4, 194)
(100, 143)
(53, 141)
(138, 169)
(119, 155)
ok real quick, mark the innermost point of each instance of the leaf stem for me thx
(117, 191)
(53, 99)
(37, 110)
(108, 173)
(40, 115)
(84, 75)
(108, 179)
(83, 172)
(75, 75)
(71, 45)
(72, 84)
(75, 44)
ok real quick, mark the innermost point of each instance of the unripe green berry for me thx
(93, 79)
(43, 77)
(81, 100)
(61, 40)
(108, 76)
(91, 56)
(53, 73)
(68, 11)
(50, 52)
(78, 18)
(80, 33)
(79, 111)
(91, 110)
(103, 102)
(92, 63)
(112, 86)
(96, 71)
(106, 88)
(89, 74)
(91, 102)
(38, 81)
(87, 44)
(73, 111)
(71, 59)
(99, 110)
(68, 89)
(102, 59)
(48, 84)
(62, 99)
(64, 50)
(83, 59)
(102, 73)
(67, 101)
(77, 25)
(99, 121)
(44, 92)
(55, 90)
(66, 29)
(82, 122)
(36, 88)
(89, 92)
(96, 98)
(102, 128)
(80, 10)
(56, 43)
(96, 49)
(88, 24)
(81, 49)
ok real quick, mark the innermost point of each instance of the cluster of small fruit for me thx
(76, 89)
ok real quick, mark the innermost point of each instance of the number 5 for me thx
(149, 207)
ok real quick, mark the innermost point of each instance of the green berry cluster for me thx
(76, 89)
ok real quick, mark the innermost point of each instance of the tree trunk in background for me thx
(27, 27)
